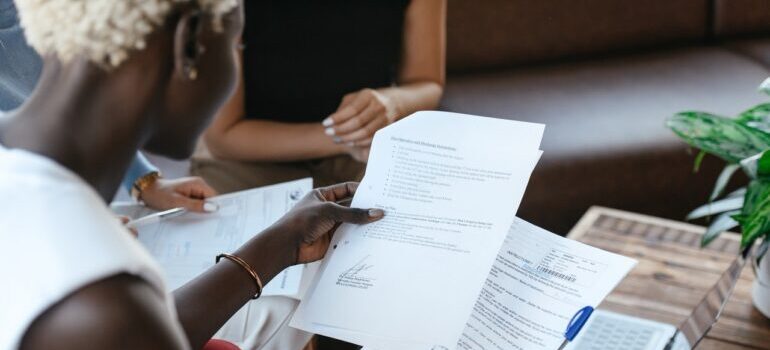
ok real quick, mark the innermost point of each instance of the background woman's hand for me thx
(314, 219)
(359, 116)
(186, 192)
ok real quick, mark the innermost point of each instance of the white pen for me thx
(155, 218)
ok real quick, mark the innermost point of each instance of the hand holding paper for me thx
(450, 185)
(316, 216)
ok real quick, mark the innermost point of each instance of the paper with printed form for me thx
(185, 246)
(536, 285)
(450, 185)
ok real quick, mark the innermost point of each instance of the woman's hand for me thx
(359, 116)
(125, 220)
(312, 221)
(186, 192)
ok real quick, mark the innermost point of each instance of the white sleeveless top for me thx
(57, 236)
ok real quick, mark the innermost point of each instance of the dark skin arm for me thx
(203, 307)
(129, 314)
(120, 312)
(169, 106)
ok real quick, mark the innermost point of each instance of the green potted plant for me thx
(744, 143)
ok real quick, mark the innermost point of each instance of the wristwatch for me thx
(142, 183)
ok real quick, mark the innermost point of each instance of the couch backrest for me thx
(485, 34)
(734, 18)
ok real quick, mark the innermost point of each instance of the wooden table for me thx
(673, 274)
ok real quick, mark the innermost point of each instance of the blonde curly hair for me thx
(104, 31)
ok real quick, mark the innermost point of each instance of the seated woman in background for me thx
(125, 75)
(318, 79)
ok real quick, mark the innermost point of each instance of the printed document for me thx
(536, 285)
(450, 185)
(185, 246)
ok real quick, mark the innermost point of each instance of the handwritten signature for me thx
(358, 268)
(356, 277)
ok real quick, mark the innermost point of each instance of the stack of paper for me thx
(537, 283)
(449, 267)
(450, 185)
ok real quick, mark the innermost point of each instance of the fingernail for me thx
(376, 213)
(351, 144)
(329, 131)
(337, 139)
(210, 207)
(328, 122)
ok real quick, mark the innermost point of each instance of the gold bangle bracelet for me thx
(247, 268)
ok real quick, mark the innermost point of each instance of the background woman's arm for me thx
(349, 130)
(231, 136)
(420, 82)
(422, 75)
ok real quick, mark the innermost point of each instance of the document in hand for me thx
(186, 245)
(536, 285)
(450, 185)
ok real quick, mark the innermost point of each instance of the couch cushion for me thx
(605, 142)
(741, 17)
(499, 33)
(755, 49)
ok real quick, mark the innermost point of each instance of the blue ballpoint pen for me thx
(576, 324)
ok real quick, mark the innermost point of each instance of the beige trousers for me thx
(263, 324)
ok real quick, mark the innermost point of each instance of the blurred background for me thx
(603, 75)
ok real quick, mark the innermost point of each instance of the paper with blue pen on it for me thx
(450, 185)
(186, 245)
(538, 282)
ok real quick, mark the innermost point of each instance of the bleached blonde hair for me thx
(104, 31)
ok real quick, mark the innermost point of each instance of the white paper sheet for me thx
(450, 185)
(185, 246)
(536, 285)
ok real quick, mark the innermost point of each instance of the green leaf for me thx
(757, 117)
(755, 216)
(720, 206)
(741, 192)
(720, 136)
(757, 166)
(698, 161)
(722, 180)
(765, 86)
(763, 165)
(722, 223)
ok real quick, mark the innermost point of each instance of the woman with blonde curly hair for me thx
(121, 75)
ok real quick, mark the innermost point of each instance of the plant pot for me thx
(760, 293)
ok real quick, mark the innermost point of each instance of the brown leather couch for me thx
(603, 75)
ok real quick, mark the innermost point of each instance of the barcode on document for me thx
(556, 274)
